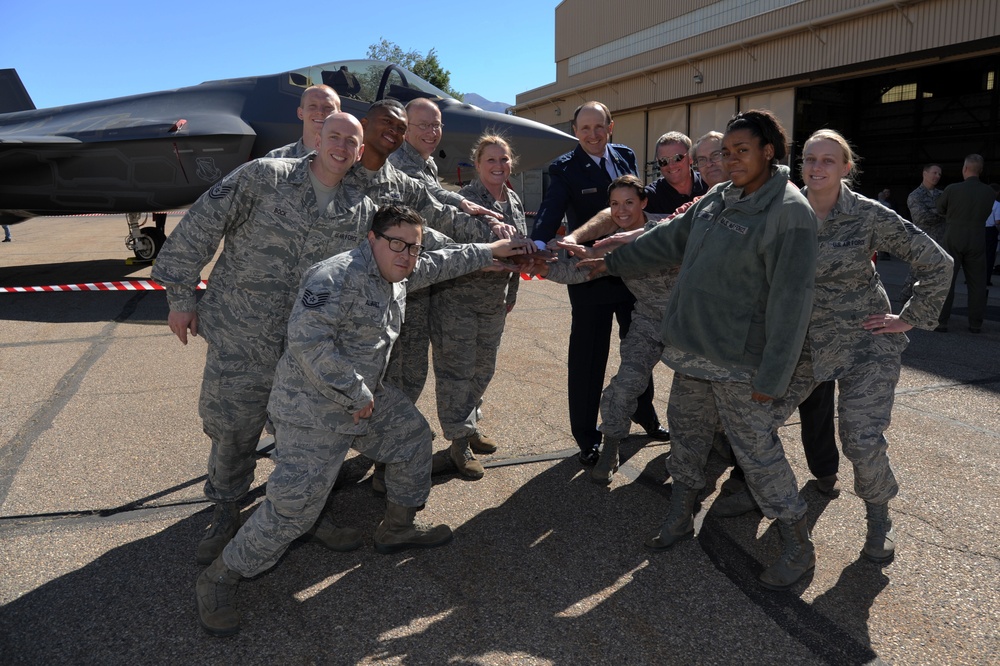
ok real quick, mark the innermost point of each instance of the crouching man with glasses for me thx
(328, 397)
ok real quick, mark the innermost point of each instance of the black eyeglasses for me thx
(400, 245)
(673, 159)
(713, 158)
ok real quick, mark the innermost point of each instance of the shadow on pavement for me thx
(555, 574)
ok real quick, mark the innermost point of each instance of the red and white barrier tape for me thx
(124, 285)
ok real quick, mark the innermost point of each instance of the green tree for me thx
(426, 67)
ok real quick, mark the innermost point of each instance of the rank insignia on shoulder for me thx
(311, 300)
(220, 191)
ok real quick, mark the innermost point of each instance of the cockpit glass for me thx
(366, 80)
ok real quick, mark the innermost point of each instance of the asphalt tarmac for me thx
(102, 461)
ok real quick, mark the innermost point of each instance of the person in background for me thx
(678, 183)
(965, 205)
(316, 103)
(992, 235)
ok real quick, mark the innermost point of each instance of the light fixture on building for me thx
(557, 111)
(698, 78)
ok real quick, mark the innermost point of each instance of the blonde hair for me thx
(850, 157)
(493, 139)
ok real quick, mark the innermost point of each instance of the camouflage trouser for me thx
(937, 233)
(752, 431)
(233, 409)
(640, 352)
(308, 461)
(407, 367)
(465, 346)
(866, 393)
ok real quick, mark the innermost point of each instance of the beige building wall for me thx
(630, 129)
(712, 115)
(697, 60)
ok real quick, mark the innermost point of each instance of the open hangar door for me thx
(900, 120)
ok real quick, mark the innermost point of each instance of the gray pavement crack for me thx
(13, 455)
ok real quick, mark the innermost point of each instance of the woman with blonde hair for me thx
(468, 316)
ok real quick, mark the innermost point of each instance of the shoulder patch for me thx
(312, 301)
(220, 191)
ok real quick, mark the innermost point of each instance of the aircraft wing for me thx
(117, 161)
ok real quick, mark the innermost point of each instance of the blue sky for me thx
(77, 51)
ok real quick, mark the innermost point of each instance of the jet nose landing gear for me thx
(145, 242)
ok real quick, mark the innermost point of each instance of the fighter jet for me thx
(159, 151)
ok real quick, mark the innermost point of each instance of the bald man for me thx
(277, 217)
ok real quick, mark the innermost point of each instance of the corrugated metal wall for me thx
(757, 61)
(882, 30)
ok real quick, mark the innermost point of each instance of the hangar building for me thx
(906, 81)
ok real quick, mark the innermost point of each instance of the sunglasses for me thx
(673, 159)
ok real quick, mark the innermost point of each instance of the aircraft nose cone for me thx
(535, 144)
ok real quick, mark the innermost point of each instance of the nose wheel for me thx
(145, 242)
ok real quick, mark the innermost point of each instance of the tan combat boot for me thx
(225, 525)
(608, 463)
(216, 593)
(880, 542)
(796, 560)
(482, 444)
(679, 524)
(340, 539)
(465, 460)
(397, 531)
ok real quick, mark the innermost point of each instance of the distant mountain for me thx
(485, 104)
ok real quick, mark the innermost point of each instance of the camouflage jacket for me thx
(487, 292)
(341, 331)
(390, 185)
(923, 209)
(413, 164)
(740, 308)
(651, 290)
(292, 150)
(266, 212)
(848, 288)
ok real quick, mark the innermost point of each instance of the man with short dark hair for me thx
(329, 397)
(965, 207)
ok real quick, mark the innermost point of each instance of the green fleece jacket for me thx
(741, 306)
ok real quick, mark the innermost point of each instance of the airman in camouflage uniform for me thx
(329, 396)
(467, 318)
(853, 336)
(315, 104)
(267, 213)
(641, 350)
(922, 203)
(425, 170)
(382, 182)
(740, 335)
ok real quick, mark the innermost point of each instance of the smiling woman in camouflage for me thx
(853, 336)
(468, 316)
